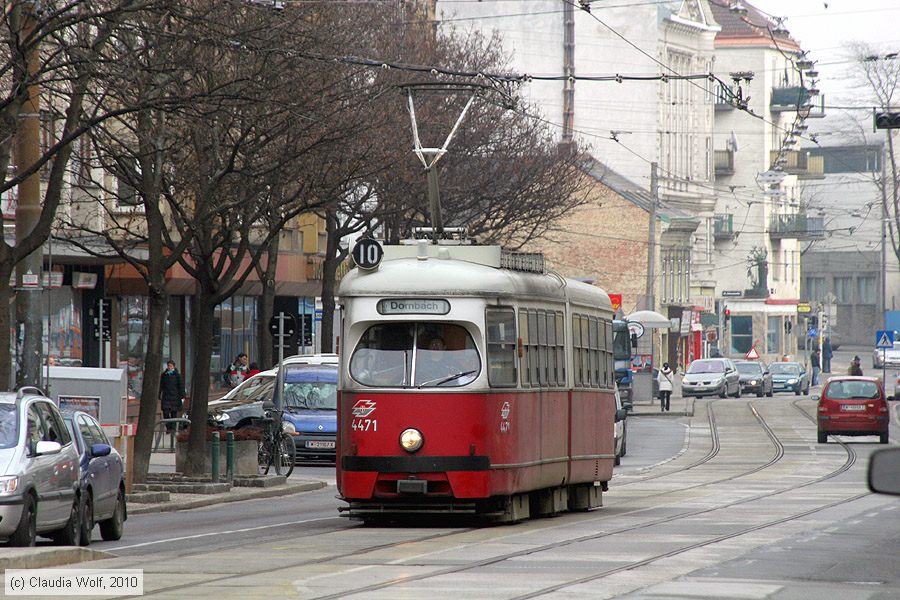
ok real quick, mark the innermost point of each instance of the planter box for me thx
(245, 457)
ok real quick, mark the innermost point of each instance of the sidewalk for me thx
(161, 463)
(679, 406)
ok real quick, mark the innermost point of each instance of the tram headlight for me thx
(411, 439)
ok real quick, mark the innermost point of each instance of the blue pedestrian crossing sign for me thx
(884, 338)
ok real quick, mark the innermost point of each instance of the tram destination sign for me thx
(413, 306)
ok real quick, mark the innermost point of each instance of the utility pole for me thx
(28, 210)
(651, 240)
(884, 218)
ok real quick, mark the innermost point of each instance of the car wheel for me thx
(112, 528)
(724, 391)
(26, 532)
(70, 535)
(823, 437)
(617, 460)
(737, 394)
(883, 438)
(624, 442)
(798, 391)
(87, 519)
(770, 393)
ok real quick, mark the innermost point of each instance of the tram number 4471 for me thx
(364, 424)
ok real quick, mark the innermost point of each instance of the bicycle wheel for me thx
(264, 456)
(285, 457)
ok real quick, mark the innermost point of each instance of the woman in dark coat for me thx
(171, 393)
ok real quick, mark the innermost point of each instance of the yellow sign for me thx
(803, 307)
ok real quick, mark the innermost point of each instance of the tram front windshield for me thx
(415, 355)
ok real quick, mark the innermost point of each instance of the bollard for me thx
(215, 457)
(229, 456)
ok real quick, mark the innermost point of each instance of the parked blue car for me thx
(102, 479)
(310, 405)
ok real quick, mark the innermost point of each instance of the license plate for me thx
(853, 407)
(319, 445)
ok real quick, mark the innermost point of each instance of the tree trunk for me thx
(202, 332)
(333, 258)
(267, 305)
(143, 442)
(6, 298)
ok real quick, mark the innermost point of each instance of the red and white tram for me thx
(467, 387)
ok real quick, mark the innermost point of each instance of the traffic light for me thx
(887, 120)
(812, 322)
(727, 314)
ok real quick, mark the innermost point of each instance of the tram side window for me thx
(595, 351)
(552, 374)
(534, 328)
(501, 347)
(608, 354)
(561, 348)
(524, 357)
(578, 372)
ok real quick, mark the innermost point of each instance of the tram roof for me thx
(434, 276)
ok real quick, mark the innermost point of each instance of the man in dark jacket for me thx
(171, 393)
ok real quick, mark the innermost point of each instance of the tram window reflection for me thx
(445, 356)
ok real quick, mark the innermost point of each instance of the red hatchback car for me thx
(853, 406)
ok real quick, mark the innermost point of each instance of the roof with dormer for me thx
(751, 27)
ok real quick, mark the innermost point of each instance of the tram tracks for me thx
(683, 516)
(669, 519)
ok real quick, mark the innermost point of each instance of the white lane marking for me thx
(213, 533)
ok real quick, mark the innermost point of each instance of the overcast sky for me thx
(826, 27)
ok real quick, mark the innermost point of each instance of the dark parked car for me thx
(853, 406)
(789, 377)
(310, 404)
(39, 472)
(711, 376)
(102, 479)
(755, 377)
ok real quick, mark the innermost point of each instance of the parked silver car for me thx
(39, 472)
(710, 377)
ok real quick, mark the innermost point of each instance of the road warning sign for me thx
(752, 354)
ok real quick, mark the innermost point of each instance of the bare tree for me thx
(51, 59)
(879, 78)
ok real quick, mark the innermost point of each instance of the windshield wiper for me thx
(442, 380)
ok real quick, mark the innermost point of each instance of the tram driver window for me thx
(415, 355)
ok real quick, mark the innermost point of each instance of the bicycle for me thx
(276, 448)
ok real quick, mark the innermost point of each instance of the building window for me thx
(741, 334)
(842, 290)
(814, 289)
(865, 290)
(773, 335)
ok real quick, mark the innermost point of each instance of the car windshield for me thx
(749, 368)
(9, 426)
(784, 369)
(707, 366)
(310, 387)
(849, 390)
(415, 354)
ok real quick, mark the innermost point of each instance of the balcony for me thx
(799, 163)
(723, 226)
(724, 162)
(797, 226)
(788, 98)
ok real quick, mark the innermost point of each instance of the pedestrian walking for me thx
(236, 371)
(664, 378)
(827, 353)
(816, 367)
(171, 394)
(855, 369)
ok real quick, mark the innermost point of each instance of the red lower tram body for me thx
(504, 455)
